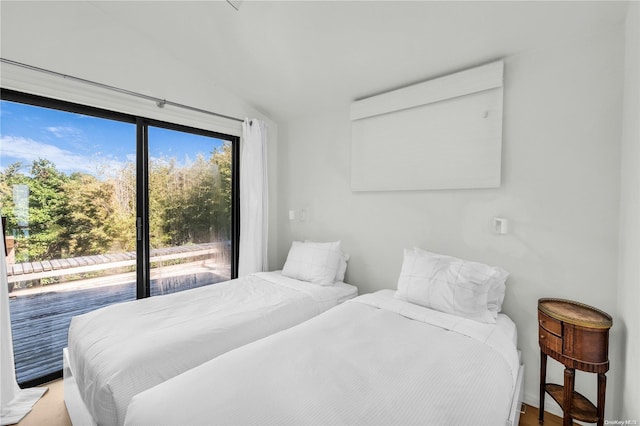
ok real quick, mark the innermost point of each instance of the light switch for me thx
(500, 225)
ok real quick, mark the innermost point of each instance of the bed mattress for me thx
(374, 360)
(120, 350)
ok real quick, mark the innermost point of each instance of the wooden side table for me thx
(577, 336)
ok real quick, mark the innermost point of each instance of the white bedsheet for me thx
(121, 350)
(371, 361)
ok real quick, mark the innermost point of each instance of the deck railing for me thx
(27, 271)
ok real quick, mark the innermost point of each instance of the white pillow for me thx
(342, 266)
(496, 292)
(313, 262)
(451, 285)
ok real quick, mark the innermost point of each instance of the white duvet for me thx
(123, 349)
(374, 360)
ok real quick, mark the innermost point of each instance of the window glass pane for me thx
(190, 210)
(68, 197)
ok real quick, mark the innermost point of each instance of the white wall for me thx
(78, 39)
(629, 283)
(560, 190)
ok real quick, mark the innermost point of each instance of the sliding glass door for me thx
(67, 192)
(100, 208)
(190, 203)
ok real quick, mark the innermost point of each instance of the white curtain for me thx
(253, 198)
(15, 403)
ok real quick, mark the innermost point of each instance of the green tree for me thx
(200, 199)
(67, 215)
(8, 178)
(47, 209)
(82, 214)
(190, 204)
(164, 198)
(123, 219)
(221, 158)
(88, 227)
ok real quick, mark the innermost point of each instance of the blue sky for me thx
(75, 142)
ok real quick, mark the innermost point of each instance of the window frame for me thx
(143, 265)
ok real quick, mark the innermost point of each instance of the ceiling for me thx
(292, 58)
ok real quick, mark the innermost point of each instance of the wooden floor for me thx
(51, 411)
(530, 417)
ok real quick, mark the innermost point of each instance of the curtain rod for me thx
(159, 102)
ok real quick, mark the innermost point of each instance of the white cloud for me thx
(66, 132)
(28, 150)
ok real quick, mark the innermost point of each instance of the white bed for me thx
(374, 360)
(118, 351)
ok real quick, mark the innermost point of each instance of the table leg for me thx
(543, 379)
(569, 377)
(602, 386)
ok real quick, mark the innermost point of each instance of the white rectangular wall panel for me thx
(447, 140)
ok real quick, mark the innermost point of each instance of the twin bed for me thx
(390, 357)
(123, 349)
(374, 360)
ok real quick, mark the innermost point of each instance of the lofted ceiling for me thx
(291, 58)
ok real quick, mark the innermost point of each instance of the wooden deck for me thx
(40, 316)
(40, 321)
